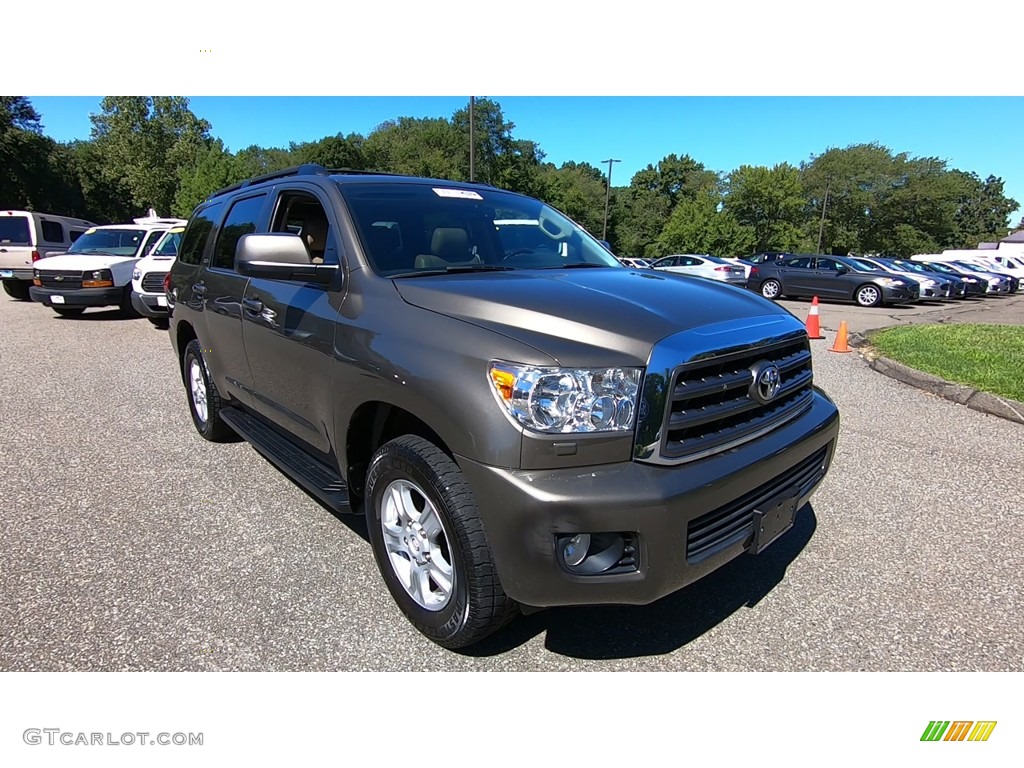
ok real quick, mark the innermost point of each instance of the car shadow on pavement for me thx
(106, 316)
(616, 632)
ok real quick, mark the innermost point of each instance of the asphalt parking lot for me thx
(129, 543)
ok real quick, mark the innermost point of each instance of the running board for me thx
(306, 470)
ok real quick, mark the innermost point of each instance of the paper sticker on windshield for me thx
(90, 231)
(464, 193)
(176, 230)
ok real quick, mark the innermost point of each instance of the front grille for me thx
(153, 282)
(711, 407)
(61, 279)
(721, 528)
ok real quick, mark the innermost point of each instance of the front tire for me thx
(16, 289)
(127, 309)
(430, 545)
(771, 289)
(868, 295)
(204, 401)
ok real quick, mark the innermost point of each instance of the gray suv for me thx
(524, 423)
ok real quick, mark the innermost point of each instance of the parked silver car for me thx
(710, 267)
(933, 287)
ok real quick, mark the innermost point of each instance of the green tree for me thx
(214, 168)
(578, 190)
(332, 152)
(146, 143)
(701, 225)
(415, 146)
(983, 214)
(771, 202)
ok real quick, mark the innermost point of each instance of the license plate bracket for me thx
(773, 518)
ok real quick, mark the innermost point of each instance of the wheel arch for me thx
(373, 424)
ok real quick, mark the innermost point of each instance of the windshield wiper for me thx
(581, 265)
(455, 269)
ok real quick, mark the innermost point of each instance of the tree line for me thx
(155, 152)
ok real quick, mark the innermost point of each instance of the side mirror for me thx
(842, 269)
(606, 244)
(280, 256)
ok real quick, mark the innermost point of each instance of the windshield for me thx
(865, 264)
(410, 229)
(169, 245)
(911, 266)
(14, 230)
(116, 242)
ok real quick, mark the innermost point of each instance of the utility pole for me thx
(607, 196)
(472, 141)
(824, 204)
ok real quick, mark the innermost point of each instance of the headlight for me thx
(557, 400)
(928, 283)
(890, 282)
(136, 274)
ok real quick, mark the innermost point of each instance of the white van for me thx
(96, 271)
(28, 236)
(148, 297)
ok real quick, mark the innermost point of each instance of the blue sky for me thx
(977, 134)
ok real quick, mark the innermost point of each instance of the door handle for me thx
(199, 290)
(253, 305)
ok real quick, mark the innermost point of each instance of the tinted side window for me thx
(14, 230)
(53, 232)
(800, 263)
(827, 265)
(199, 228)
(74, 234)
(242, 219)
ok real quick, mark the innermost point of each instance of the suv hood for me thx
(81, 261)
(585, 316)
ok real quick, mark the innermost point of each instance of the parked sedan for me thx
(958, 286)
(710, 267)
(831, 277)
(973, 286)
(933, 287)
(993, 284)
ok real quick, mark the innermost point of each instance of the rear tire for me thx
(430, 545)
(68, 311)
(204, 401)
(17, 289)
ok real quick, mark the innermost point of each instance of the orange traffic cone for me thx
(813, 330)
(840, 344)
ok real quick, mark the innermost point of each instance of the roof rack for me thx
(313, 169)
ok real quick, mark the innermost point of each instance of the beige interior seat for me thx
(449, 247)
(314, 234)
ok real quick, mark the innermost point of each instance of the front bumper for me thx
(82, 297)
(661, 506)
(148, 305)
(897, 294)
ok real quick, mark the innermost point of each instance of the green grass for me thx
(986, 357)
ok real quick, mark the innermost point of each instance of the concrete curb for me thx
(984, 402)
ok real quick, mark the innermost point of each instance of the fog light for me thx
(575, 550)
